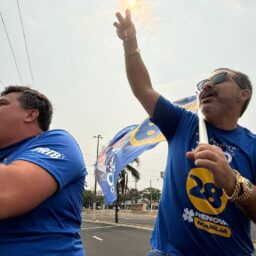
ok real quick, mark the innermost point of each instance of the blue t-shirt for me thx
(52, 228)
(195, 217)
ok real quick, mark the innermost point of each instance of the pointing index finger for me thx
(128, 15)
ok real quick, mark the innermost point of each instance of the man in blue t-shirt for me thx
(208, 196)
(42, 176)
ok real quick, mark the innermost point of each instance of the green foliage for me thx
(88, 199)
(123, 176)
(134, 195)
(146, 194)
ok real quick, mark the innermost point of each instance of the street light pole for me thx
(150, 196)
(98, 137)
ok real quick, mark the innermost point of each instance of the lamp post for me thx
(98, 137)
(150, 196)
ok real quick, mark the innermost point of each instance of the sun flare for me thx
(132, 3)
(141, 11)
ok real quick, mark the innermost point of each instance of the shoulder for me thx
(247, 133)
(56, 132)
(55, 149)
(183, 107)
(56, 142)
(56, 135)
(248, 140)
(172, 116)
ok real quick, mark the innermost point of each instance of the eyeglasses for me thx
(216, 79)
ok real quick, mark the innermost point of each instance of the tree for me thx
(122, 182)
(133, 195)
(88, 197)
(146, 194)
(123, 176)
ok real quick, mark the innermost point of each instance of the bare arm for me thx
(23, 186)
(136, 71)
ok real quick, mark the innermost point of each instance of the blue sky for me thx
(77, 60)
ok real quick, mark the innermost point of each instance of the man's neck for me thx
(223, 122)
(19, 137)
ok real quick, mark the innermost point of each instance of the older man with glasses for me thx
(208, 197)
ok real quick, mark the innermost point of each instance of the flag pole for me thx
(203, 137)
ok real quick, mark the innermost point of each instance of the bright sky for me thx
(77, 60)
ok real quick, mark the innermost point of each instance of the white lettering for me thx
(55, 155)
(210, 218)
(48, 152)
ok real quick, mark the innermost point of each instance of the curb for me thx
(119, 224)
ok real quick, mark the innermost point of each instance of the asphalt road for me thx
(108, 240)
(119, 240)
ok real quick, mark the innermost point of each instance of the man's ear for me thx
(32, 114)
(245, 94)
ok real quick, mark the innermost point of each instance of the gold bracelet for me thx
(245, 196)
(132, 52)
(237, 188)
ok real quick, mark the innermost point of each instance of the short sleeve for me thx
(166, 116)
(58, 153)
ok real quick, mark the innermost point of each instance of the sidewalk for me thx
(140, 220)
(110, 211)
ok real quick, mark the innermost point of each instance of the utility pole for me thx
(135, 196)
(98, 137)
(150, 196)
(117, 203)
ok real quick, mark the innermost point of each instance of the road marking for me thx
(100, 239)
(99, 227)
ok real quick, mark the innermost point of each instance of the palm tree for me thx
(122, 183)
(123, 176)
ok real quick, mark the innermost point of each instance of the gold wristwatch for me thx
(243, 188)
(246, 189)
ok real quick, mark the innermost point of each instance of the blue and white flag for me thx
(127, 145)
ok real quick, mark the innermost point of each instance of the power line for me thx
(11, 48)
(26, 46)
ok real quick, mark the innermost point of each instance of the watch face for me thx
(248, 184)
(241, 179)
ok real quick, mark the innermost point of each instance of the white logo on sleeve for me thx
(49, 152)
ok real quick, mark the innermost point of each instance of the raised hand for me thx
(125, 28)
